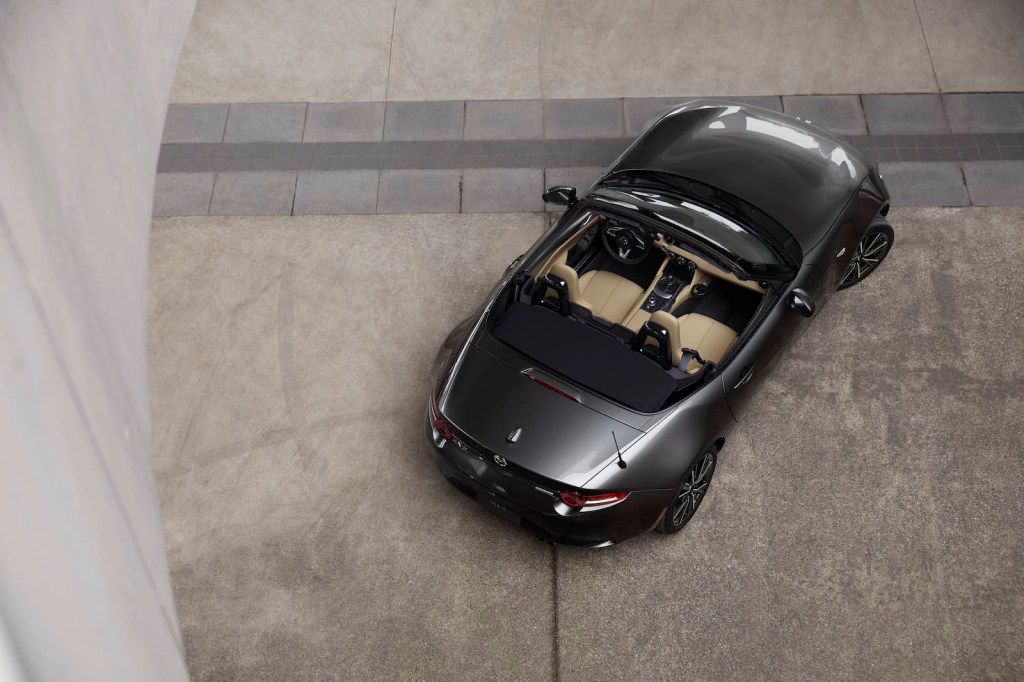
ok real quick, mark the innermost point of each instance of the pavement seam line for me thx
(376, 204)
(540, 62)
(295, 192)
(462, 180)
(213, 190)
(391, 54)
(224, 130)
(556, 672)
(967, 187)
(927, 49)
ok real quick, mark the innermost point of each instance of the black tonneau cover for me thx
(586, 356)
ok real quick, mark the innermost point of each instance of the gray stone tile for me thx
(772, 102)
(606, 151)
(1001, 112)
(579, 177)
(229, 164)
(195, 122)
(266, 122)
(905, 114)
(176, 164)
(177, 150)
(640, 112)
(419, 191)
(582, 154)
(925, 183)
(995, 183)
(505, 120)
(502, 190)
(840, 114)
(268, 193)
(344, 122)
(336, 192)
(182, 194)
(989, 153)
(572, 118)
(1011, 153)
(424, 120)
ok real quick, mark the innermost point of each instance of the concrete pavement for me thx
(308, 533)
(369, 50)
(864, 522)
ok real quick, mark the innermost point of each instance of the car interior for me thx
(635, 291)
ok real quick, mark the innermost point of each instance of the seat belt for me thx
(679, 371)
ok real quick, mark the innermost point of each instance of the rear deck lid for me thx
(558, 437)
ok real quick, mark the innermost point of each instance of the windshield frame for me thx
(702, 222)
(695, 241)
(779, 240)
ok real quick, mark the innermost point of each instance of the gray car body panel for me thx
(568, 444)
(798, 174)
(560, 439)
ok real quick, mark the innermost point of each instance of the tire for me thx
(697, 476)
(872, 249)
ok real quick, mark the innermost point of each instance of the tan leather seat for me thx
(710, 338)
(607, 295)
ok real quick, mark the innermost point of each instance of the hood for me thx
(796, 173)
(560, 439)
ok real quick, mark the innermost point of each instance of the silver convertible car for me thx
(590, 395)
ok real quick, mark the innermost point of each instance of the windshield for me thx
(692, 218)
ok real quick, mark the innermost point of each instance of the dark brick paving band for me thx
(848, 115)
(295, 156)
(429, 157)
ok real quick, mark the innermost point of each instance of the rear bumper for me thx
(534, 507)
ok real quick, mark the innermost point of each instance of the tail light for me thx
(577, 500)
(439, 423)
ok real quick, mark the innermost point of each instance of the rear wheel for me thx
(871, 251)
(690, 494)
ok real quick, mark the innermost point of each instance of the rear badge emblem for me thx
(514, 436)
(500, 461)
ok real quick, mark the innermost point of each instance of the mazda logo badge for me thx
(500, 461)
(514, 436)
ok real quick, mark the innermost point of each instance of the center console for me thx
(677, 274)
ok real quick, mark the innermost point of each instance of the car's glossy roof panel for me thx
(796, 173)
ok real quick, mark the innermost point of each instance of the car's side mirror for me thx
(800, 301)
(560, 196)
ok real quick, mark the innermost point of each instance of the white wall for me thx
(84, 589)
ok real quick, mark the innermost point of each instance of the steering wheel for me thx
(627, 244)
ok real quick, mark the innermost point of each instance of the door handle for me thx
(748, 374)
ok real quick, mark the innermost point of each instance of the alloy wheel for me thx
(693, 489)
(870, 252)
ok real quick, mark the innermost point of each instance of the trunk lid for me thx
(560, 439)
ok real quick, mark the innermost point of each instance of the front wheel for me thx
(871, 251)
(690, 494)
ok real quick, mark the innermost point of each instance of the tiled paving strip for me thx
(367, 157)
(914, 183)
(1001, 112)
(295, 156)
